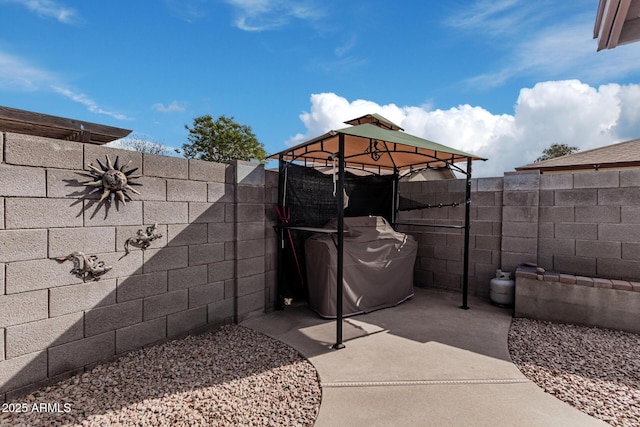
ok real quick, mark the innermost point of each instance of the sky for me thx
(503, 79)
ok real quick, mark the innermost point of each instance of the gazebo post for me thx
(467, 226)
(280, 231)
(340, 260)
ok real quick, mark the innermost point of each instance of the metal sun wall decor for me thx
(86, 266)
(143, 238)
(113, 180)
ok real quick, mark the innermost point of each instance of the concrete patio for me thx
(424, 362)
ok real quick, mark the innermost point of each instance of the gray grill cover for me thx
(378, 267)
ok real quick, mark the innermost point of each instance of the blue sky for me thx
(500, 78)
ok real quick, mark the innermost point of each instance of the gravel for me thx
(595, 370)
(231, 377)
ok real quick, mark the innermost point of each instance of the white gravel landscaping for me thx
(230, 377)
(595, 370)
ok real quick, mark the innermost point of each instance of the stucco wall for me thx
(208, 268)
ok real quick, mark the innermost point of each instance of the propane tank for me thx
(502, 289)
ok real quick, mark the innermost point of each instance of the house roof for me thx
(37, 124)
(621, 155)
(376, 144)
(617, 22)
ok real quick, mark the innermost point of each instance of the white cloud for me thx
(175, 106)
(566, 111)
(91, 105)
(261, 15)
(17, 74)
(49, 9)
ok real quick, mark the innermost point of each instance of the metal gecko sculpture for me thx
(113, 180)
(143, 238)
(86, 266)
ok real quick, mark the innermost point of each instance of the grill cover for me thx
(378, 267)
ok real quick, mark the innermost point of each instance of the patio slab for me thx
(424, 362)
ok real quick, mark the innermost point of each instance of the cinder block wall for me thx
(440, 252)
(208, 268)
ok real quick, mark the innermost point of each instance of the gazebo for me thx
(377, 147)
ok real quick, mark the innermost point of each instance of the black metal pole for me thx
(280, 230)
(340, 261)
(467, 226)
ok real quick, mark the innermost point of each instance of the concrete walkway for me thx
(423, 363)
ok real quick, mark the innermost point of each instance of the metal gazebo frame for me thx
(374, 144)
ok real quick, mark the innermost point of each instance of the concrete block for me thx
(517, 181)
(183, 278)
(36, 336)
(490, 184)
(483, 199)
(23, 307)
(581, 197)
(628, 196)
(165, 259)
(140, 335)
(635, 286)
(556, 214)
(30, 150)
(125, 232)
(250, 194)
(584, 281)
(520, 198)
(205, 294)
(75, 298)
(520, 213)
(164, 304)
(187, 234)
(250, 249)
(510, 260)
(80, 353)
(488, 242)
(112, 317)
(185, 321)
(619, 232)
(629, 178)
(206, 212)
(165, 166)
(41, 213)
(94, 240)
(166, 212)
(599, 179)
(546, 198)
(206, 253)
(2, 273)
(23, 276)
(602, 283)
(489, 213)
(23, 370)
(591, 249)
(556, 181)
(230, 286)
(630, 251)
(99, 152)
(219, 192)
(579, 266)
(569, 279)
(22, 181)
(20, 245)
(630, 215)
(152, 188)
(221, 271)
(248, 173)
(598, 214)
(252, 231)
(447, 253)
(220, 232)
(229, 213)
(202, 170)
(557, 246)
(141, 285)
(520, 244)
(250, 305)
(220, 312)
(104, 214)
(618, 269)
(250, 267)
(1, 213)
(250, 284)
(576, 231)
(519, 229)
(186, 191)
(68, 184)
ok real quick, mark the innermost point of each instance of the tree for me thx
(140, 143)
(556, 150)
(222, 141)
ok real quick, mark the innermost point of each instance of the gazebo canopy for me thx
(376, 143)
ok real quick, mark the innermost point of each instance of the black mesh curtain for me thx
(309, 197)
